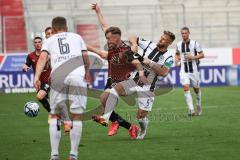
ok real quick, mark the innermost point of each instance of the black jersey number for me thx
(64, 47)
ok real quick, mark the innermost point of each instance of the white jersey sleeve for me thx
(198, 47)
(83, 45)
(143, 44)
(177, 49)
(45, 47)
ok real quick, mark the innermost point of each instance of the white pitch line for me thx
(159, 109)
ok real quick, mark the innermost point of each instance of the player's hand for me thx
(37, 84)
(189, 57)
(103, 54)
(146, 61)
(87, 77)
(25, 68)
(143, 80)
(95, 7)
(177, 63)
(134, 48)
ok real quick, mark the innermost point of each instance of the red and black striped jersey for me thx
(119, 68)
(32, 60)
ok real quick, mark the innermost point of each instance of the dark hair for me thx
(37, 37)
(185, 28)
(170, 34)
(113, 30)
(47, 29)
(59, 23)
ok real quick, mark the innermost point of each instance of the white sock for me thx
(189, 101)
(143, 122)
(75, 137)
(199, 94)
(110, 104)
(55, 136)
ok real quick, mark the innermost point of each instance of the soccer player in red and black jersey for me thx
(119, 69)
(31, 61)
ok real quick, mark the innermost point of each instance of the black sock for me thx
(122, 122)
(45, 104)
(113, 117)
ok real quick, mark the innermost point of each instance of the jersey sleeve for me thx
(168, 62)
(198, 47)
(142, 43)
(45, 47)
(28, 61)
(83, 45)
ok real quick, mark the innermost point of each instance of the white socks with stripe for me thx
(110, 104)
(199, 94)
(55, 136)
(189, 101)
(143, 122)
(75, 137)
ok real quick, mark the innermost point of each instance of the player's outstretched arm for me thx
(133, 42)
(43, 58)
(26, 66)
(101, 19)
(160, 70)
(140, 70)
(102, 54)
(86, 66)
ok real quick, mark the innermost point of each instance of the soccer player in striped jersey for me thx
(156, 60)
(119, 69)
(188, 53)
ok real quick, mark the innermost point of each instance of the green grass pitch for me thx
(171, 135)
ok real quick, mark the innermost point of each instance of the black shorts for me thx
(45, 87)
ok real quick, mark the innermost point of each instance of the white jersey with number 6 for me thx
(63, 46)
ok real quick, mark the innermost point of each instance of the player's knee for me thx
(141, 114)
(196, 90)
(103, 97)
(186, 88)
(76, 116)
(39, 97)
(119, 89)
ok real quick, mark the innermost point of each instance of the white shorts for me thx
(73, 89)
(145, 97)
(190, 78)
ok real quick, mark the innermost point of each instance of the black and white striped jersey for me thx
(150, 51)
(191, 47)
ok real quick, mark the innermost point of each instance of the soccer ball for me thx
(31, 109)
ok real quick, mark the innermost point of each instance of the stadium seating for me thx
(212, 23)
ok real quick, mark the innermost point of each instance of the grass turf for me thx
(171, 134)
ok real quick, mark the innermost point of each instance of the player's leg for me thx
(185, 81)
(56, 101)
(123, 88)
(65, 119)
(77, 99)
(197, 90)
(145, 102)
(143, 122)
(42, 96)
(117, 121)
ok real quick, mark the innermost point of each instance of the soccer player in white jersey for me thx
(64, 49)
(156, 60)
(188, 53)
